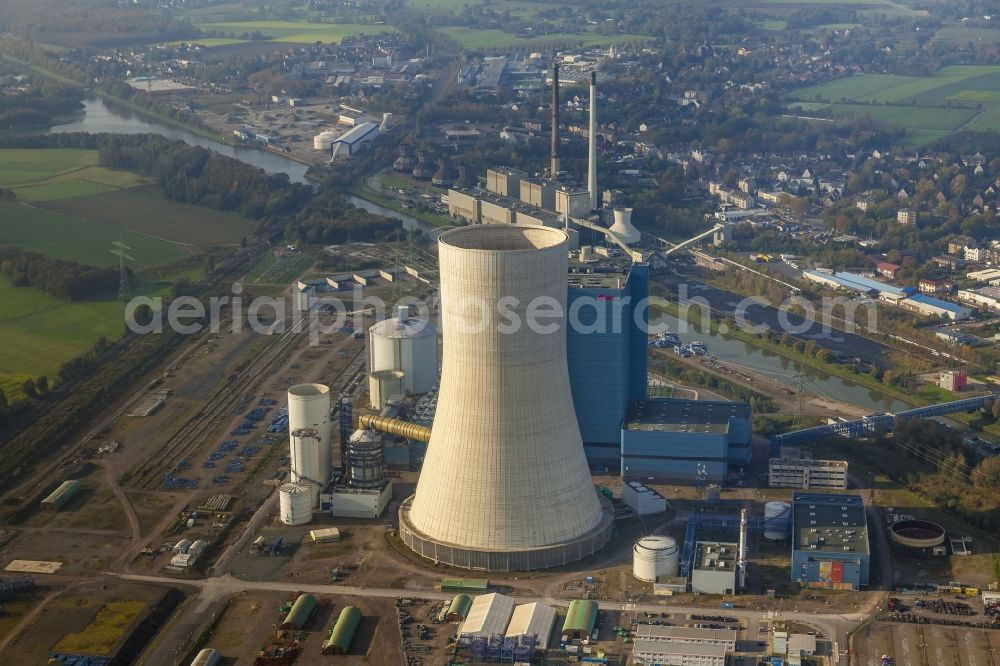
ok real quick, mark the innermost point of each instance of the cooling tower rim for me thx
(545, 556)
(467, 239)
(308, 390)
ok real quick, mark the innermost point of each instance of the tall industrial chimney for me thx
(592, 163)
(554, 166)
(505, 484)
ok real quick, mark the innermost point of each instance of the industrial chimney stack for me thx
(592, 163)
(554, 166)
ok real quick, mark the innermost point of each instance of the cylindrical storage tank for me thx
(384, 384)
(306, 460)
(586, 252)
(324, 140)
(655, 557)
(408, 344)
(777, 521)
(365, 462)
(295, 503)
(207, 657)
(309, 409)
(713, 493)
(505, 484)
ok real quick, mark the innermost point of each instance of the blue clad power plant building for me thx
(623, 430)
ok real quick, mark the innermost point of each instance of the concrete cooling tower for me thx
(505, 484)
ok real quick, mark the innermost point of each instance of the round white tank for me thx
(309, 409)
(307, 460)
(295, 503)
(777, 521)
(655, 557)
(324, 140)
(586, 252)
(384, 384)
(407, 344)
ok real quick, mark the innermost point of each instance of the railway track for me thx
(218, 411)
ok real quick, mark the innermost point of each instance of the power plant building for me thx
(606, 348)
(714, 570)
(830, 541)
(671, 438)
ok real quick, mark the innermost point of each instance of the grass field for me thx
(73, 238)
(471, 39)
(146, 212)
(300, 32)
(56, 173)
(104, 632)
(915, 103)
(960, 36)
(40, 332)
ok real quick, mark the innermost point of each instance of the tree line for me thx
(67, 280)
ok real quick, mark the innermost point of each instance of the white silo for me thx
(309, 409)
(655, 557)
(407, 344)
(505, 484)
(777, 521)
(295, 503)
(622, 226)
(307, 461)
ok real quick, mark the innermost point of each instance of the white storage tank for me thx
(309, 409)
(777, 521)
(307, 461)
(407, 344)
(324, 140)
(295, 503)
(383, 385)
(655, 557)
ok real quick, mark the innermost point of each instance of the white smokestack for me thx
(592, 165)
(623, 226)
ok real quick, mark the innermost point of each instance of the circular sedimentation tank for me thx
(655, 557)
(916, 534)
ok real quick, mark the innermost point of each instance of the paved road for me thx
(213, 591)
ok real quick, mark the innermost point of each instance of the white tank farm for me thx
(777, 521)
(407, 344)
(307, 460)
(655, 557)
(309, 409)
(295, 503)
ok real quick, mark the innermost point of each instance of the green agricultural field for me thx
(54, 173)
(471, 39)
(27, 165)
(300, 32)
(989, 121)
(73, 238)
(145, 212)
(959, 36)
(41, 332)
(916, 103)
